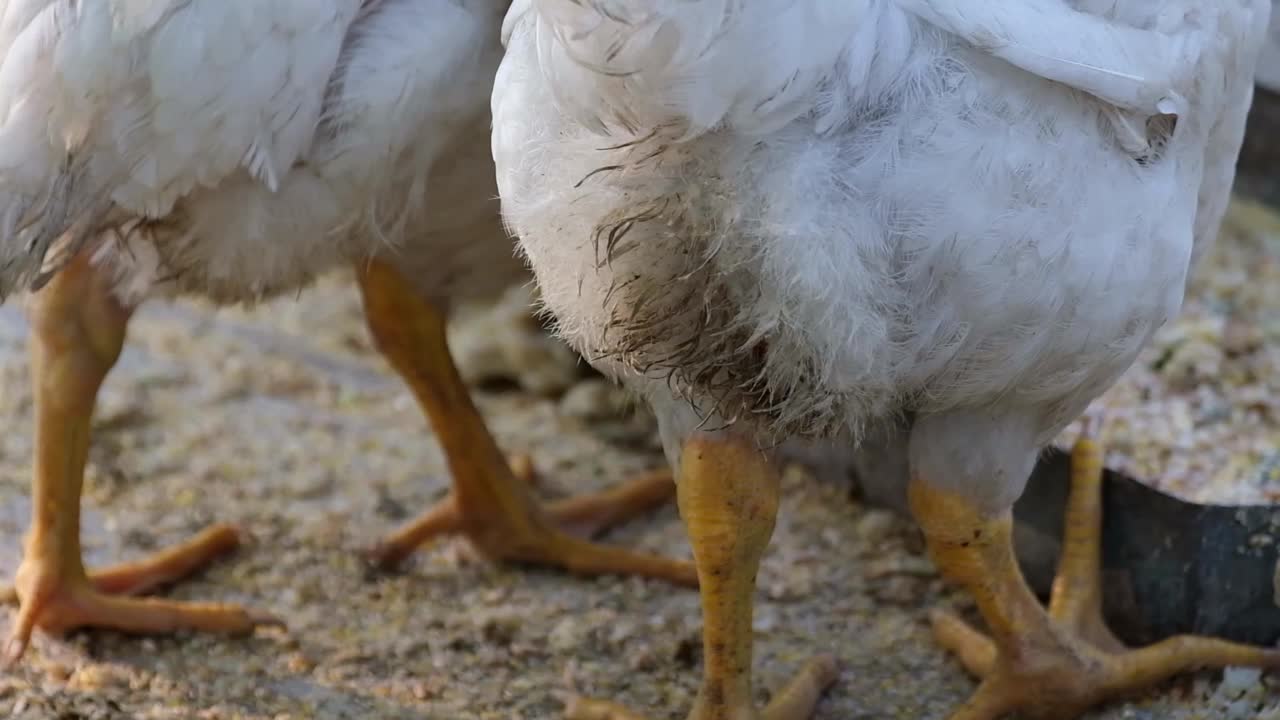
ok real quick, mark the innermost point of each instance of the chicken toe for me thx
(55, 594)
(582, 516)
(77, 332)
(491, 504)
(728, 495)
(1054, 665)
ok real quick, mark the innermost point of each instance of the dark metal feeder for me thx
(1258, 172)
(1170, 566)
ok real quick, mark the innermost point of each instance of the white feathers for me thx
(166, 96)
(258, 143)
(758, 65)
(1140, 70)
(754, 65)
(815, 215)
(136, 103)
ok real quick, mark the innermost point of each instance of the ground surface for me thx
(284, 421)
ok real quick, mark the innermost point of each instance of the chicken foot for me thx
(585, 515)
(78, 330)
(492, 505)
(1050, 665)
(728, 495)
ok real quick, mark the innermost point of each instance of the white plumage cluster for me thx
(814, 216)
(239, 148)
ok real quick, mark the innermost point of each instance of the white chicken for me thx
(808, 218)
(238, 149)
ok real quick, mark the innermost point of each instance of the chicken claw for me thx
(77, 331)
(728, 495)
(56, 595)
(1056, 665)
(584, 515)
(492, 503)
(793, 702)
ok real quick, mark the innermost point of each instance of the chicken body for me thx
(238, 150)
(808, 218)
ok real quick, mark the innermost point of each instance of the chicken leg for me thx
(78, 329)
(728, 496)
(490, 504)
(1048, 665)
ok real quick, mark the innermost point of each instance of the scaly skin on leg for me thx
(490, 504)
(1050, 665)
(728, 495)
(78, 329)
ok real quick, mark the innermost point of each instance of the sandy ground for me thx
(284, 421)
